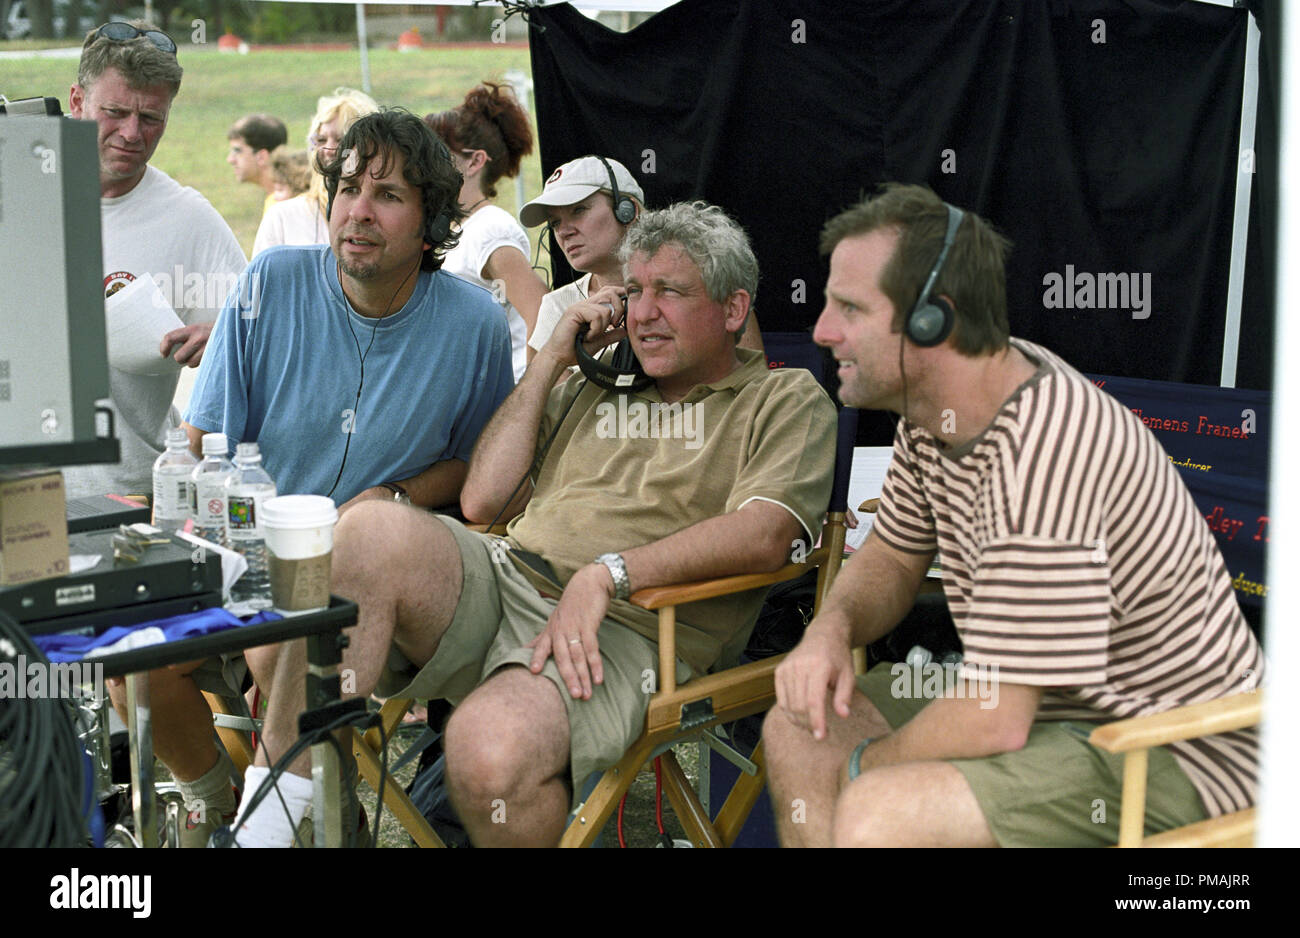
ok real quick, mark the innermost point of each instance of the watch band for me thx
(618, 570)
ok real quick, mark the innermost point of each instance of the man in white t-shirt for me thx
(153, 228)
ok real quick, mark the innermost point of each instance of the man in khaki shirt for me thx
(720, 466)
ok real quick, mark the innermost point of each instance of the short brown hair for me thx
(974, 275)
(260, 132)
(139, 61)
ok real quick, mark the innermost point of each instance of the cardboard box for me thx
(33, 526)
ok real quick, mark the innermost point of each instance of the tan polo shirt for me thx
(627, 470)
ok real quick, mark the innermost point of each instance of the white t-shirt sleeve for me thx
(548, 314)
(553, 306)
(496, 230)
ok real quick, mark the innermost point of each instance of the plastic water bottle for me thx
(246, 490)
(208, 489)
(171, 482)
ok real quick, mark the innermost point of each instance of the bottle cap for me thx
(215, 444)
(176, 436)
(248, 452)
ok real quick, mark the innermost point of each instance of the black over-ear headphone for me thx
(931, 319)
(439, 229)
(622, 374)
(624, 207)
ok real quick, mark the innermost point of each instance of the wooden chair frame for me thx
(676, 714)
(1136, 736)
(366, 747)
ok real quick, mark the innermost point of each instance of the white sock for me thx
(268, 825)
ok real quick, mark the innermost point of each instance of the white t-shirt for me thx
(482, 233)
(294, 221)
(553, 306)
(169, 232)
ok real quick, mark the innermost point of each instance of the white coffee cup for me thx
(299, 541)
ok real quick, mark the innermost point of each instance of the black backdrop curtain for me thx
(1095, 157)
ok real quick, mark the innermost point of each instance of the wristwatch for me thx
(617, 570)
(400, 494)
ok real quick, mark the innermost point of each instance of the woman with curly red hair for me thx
(488, 135)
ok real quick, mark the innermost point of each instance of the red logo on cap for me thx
(555, 175)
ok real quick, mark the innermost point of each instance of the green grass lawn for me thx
(218, 89)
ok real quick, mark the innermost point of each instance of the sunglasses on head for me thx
(125, 32)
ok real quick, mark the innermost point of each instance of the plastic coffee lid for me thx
(299, 511)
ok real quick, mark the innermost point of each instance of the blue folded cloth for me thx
(190, 625)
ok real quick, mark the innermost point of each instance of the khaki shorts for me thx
(1059, 790)
(497, 615)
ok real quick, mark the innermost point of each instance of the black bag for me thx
(428, 790)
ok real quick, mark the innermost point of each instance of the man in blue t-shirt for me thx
(360, 368)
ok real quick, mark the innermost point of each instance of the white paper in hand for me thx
(136, 319)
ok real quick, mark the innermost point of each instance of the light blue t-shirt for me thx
(284, 362)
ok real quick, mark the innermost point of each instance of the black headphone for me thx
(624, 207)
(439, 230)
(931, 319)
(622, 374)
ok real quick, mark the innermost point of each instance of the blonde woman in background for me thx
(301, 219)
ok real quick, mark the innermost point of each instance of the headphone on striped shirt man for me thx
(932, 317)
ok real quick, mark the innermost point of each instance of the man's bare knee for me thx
(506, 736)
(364, 545)
(910, 804)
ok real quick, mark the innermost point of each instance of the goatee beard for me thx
(359, 271)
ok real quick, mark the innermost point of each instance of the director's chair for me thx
(678, 714)
(1137, 735)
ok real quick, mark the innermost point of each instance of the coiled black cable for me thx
(43, 794)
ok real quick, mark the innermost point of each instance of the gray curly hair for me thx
(708, 236)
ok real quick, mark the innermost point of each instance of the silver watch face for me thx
(618, 572)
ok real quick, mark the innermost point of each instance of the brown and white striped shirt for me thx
(1075, 559)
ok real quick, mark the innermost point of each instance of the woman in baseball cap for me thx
(588, 203)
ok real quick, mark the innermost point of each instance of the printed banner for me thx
(1218, 438)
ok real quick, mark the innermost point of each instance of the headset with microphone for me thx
(931, 319)
(622, 373)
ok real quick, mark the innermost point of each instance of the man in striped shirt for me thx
(1085, 585)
